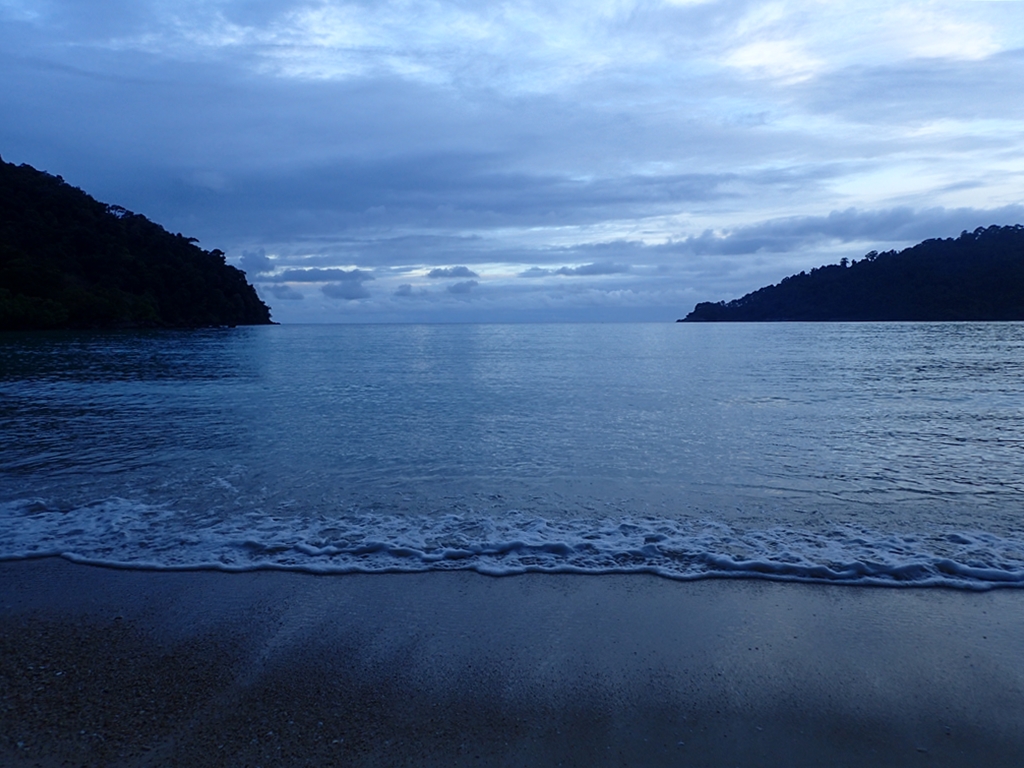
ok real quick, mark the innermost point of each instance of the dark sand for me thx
(104, 667)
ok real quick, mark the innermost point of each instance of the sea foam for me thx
(121, 533)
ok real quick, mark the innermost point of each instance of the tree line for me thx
(70, 261)
(976, 276)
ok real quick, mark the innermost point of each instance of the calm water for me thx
(859, 453)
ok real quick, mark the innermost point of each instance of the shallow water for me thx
(854, 453)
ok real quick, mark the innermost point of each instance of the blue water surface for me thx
(874, 453)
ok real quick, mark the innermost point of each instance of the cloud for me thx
(445, 196)
(316, 275)
(775, 58)
(893, 225)
(463, 288)
(725, 143)
(593, 269)
(285, 292)
(255, 262)
(588, 270)
(901, 94)
(347, 290)
(929, 32)
(452, 272)
(338, 283)
(535, 272)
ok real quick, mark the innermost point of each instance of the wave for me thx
(126, 534)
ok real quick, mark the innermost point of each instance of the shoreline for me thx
(102, 666)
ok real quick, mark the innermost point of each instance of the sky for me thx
(457, 161)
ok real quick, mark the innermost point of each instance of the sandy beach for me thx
(102, 667)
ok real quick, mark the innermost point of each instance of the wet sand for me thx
(102, 667)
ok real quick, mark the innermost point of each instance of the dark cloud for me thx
(452, 272)
(408, 291)
(255, 262)
(452, 191)
(535, 272)
(464, 287)
(285, 292)
(347, 290)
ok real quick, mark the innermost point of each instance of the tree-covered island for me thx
(977, 276)
(69, 261)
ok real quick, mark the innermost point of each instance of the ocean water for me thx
(875, 453)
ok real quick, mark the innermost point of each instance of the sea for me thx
(840, 453)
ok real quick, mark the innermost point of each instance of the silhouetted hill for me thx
(69, 261)
(977, 276)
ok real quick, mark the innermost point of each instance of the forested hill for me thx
(977, 276)
(69, 261)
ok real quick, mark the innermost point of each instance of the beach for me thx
(111, 667)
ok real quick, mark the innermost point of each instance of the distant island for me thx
(977, 276)
(69, 261)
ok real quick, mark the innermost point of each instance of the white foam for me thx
(122, 533)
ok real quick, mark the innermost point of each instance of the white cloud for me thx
(438, 272)
(926, 30)
(781, 59)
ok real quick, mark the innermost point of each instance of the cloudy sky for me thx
(451, 160)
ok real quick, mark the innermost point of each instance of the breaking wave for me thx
(121, 533)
